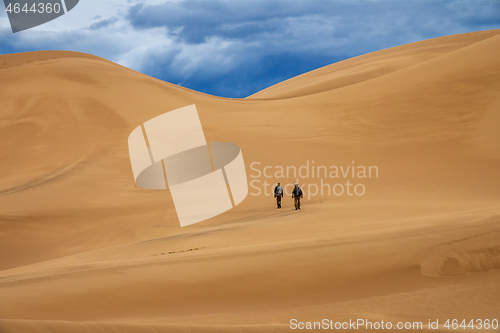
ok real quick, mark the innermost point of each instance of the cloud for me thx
(196, 21)
(234, 48)
(103, 23)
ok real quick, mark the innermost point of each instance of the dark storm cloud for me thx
(199, 20)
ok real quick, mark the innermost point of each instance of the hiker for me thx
(296, 195)
(278, 194)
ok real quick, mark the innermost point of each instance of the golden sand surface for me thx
(82, 249)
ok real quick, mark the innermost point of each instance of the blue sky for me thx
(234, 48)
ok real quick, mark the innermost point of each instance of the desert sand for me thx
(82, 249)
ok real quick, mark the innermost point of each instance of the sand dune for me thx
(82, 249)
(370, 66)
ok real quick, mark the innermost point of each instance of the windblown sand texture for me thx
(82, 249)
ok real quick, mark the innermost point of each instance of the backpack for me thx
(278, 190)
(297, 191)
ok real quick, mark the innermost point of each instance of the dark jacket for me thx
(297, 192)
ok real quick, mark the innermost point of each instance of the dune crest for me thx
(370, 66)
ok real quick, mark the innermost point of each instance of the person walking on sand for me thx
(296, 195)
(278, 194)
